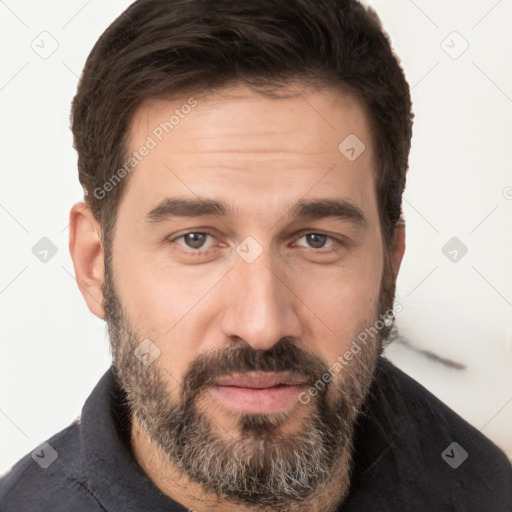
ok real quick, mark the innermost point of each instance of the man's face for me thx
(248, 310)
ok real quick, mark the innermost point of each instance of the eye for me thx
(317, 240)
(193, 240)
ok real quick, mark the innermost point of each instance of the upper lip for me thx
(259, 380)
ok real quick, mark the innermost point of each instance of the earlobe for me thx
(398, 248)
(87, 254)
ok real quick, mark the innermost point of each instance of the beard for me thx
(256, 464)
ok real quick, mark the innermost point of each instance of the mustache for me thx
(284, 356)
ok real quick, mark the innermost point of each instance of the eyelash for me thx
(202, 252)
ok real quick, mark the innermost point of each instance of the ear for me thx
(398, 246)
(87, 255)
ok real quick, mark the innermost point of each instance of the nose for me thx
(260, 304)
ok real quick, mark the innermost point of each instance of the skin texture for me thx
(260, 156)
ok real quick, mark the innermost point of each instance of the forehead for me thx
(236, 141)
(301, 119)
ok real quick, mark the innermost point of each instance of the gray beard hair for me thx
(259, 467)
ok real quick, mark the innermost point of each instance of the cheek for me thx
(158, 294)
(341, 304)
(169, 306)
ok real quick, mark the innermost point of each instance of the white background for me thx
(53, 350)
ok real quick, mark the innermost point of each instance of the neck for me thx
(178, 487)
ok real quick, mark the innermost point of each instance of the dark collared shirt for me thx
(405, 459)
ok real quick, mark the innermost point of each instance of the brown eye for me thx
(316, 240)
(194, 240)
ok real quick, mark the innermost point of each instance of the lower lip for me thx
(258, 401)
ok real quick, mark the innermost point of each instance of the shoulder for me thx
(431, 456)
(434, 419)
(50, 478)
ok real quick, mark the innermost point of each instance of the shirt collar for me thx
(114, 476)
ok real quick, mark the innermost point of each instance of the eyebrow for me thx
(340, 209)
(184, 207)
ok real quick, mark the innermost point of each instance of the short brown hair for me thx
(161, 47)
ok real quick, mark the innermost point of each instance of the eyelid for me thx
(334, 241)
(338, 241)
(175, 238)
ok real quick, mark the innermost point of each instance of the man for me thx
(243, 166)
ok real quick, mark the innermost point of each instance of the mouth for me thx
(258, 392)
